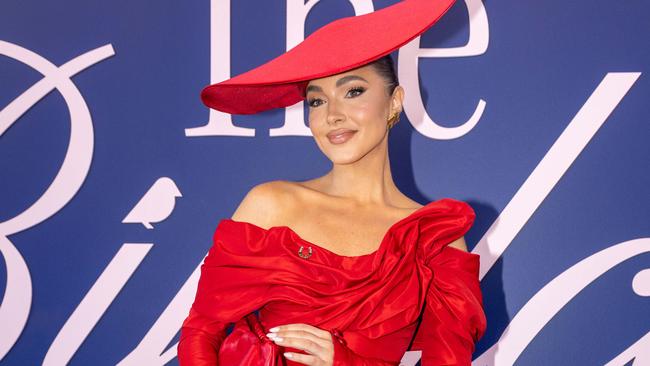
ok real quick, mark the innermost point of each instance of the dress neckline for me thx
(331, 253)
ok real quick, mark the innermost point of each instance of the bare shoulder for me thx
(459, 244)
(265, 203)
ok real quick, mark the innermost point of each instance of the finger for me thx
(305, 327)
(300, 334)
(304, 344)
(300, 358)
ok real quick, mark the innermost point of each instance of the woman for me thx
(344, 269)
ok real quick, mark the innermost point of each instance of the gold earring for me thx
(393, 120)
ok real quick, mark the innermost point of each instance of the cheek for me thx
(319, 128)
(368, 114)
(316, 122)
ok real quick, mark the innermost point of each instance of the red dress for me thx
(413, 293)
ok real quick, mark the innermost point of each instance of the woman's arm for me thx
(201, 336)
(200, 340)
(453, 318)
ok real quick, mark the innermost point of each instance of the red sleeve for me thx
(228, 289)
(200, 340)
(453, 318)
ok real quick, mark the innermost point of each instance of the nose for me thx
(334, 113)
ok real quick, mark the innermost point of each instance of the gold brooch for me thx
(305, 256)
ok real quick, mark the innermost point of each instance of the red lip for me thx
(340, 135)
(339, 131)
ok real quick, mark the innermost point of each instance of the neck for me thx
(366, 181)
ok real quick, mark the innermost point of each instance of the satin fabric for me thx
(413, 293)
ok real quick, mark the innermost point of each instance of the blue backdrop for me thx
(114, 175)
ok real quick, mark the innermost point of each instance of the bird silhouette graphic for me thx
(156, 204)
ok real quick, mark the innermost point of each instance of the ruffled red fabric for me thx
(413, 293)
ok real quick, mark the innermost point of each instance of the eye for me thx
(356, 91)
(313, 102)
(352, 92)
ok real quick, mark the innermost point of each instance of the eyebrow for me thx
(339, 82)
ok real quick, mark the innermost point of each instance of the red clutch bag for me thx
(248, 344)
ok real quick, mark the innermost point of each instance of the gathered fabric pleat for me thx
(413, 290)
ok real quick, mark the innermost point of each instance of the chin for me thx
(343, 161)
(344, 157)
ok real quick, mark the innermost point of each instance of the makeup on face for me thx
(340, 135)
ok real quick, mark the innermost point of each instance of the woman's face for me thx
(348, 113)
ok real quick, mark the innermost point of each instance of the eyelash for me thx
(360, 89)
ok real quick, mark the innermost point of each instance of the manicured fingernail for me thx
(271, 335)
(274, 329)
(277, 339)
(288, 355)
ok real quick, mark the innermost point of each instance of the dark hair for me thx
(386, 69)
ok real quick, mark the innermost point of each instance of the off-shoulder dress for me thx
(413, 293)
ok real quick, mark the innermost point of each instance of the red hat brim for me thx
(341, 45)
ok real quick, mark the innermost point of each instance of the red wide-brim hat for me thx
(341, 45)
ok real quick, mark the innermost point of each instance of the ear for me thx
(397, 99)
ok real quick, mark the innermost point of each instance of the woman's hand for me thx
(315, 341)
